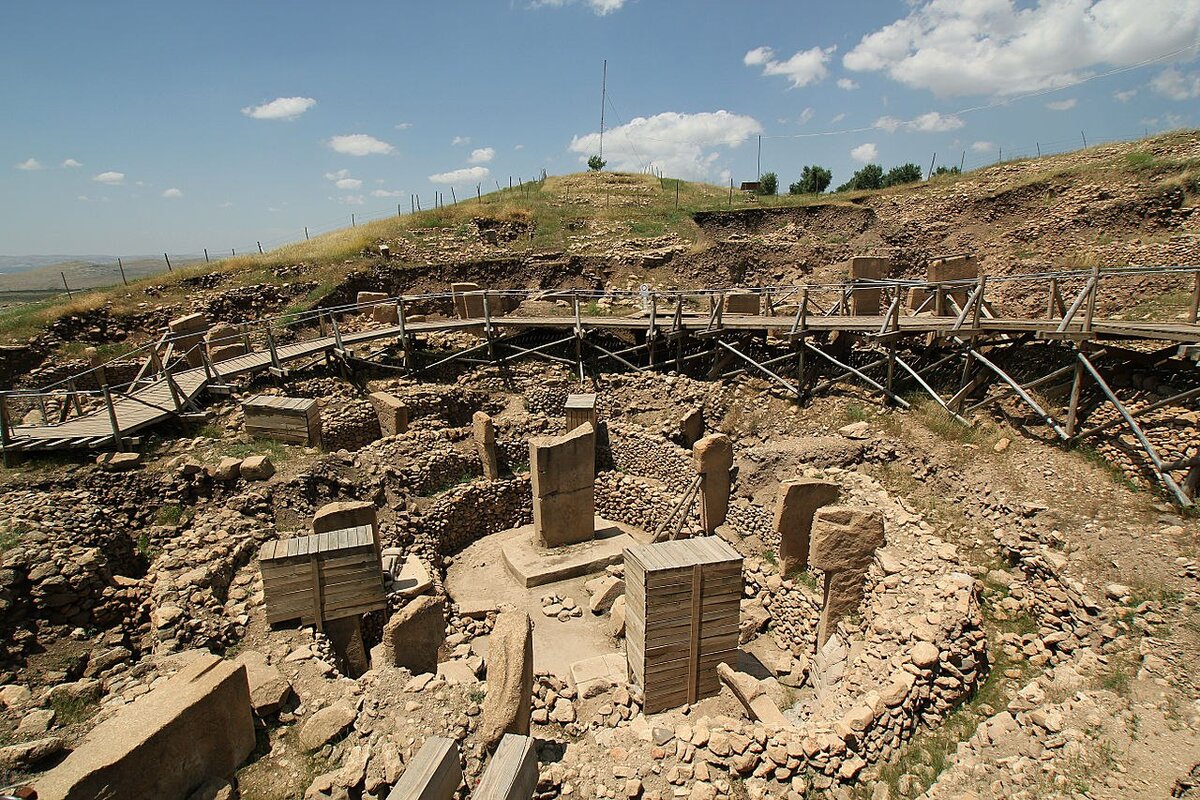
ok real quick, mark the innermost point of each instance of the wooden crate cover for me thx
(683, 607)
(322, 577)
(288, 419)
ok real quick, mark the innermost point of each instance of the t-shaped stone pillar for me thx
(844, 540)
(798, 500)
(714, 459)
(865, 302)
(483, 431)
(563, 470)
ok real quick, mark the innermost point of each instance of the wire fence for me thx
(978, 155)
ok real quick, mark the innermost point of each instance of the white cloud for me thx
(457, 140)
(983, 147)
(226, 204)
(348, 183)
(1177, 85)
(519, 147)
(931, 122)
(482, 155)
(600, 7)
(1062, 105)
(1126, 95)
(865, 153)
(359, 144)
(805, 115)
(456, 177)
(71, 163)
(802, 68)
(403, 126)
(847, 84)
(29, 165)
(335, 176)
(287, 108)
(351, 200)
(172, 193)
(385, 193)
(838, 118)
(999, 47)
(111, 178)
(83, 198)
(680, 144)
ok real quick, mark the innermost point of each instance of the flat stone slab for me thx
(606, 670)
(533, 564)
(413, 578)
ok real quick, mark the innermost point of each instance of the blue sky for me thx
(139, 127)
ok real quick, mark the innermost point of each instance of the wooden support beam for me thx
(898, 400)
(1024, 395)
(1175, 398)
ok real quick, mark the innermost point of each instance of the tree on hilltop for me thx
(814, 179)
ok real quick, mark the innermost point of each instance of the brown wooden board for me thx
(683, 601)
(322, 576)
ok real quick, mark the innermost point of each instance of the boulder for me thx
(118, 462)
(604, 591)
(392, 413)
(229, 469)
(508, 703)
(269, 689)
(326, 725)
(194, 726)
(257, 468)
(28, 754)
(413, 635)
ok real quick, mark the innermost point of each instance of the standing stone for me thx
(865, 302)
(713, 456)
(197, 725)
(387, 313)
(346, 635)
(188, 335)
(365, 300)
(691, 426)
(484, 433)
(468, 303)
(225, 341)
(844, 540)
(564, 500)
(392, 413)
(343, 514)
(508, 703)
(953, 268)
(742, 303)
(96, 363)
(414, 635)
(798, 500)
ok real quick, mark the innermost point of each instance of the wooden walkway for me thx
(154, 402)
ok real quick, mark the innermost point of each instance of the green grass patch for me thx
(146, 549)
(70, 710)
(169, 514)
(10, 535)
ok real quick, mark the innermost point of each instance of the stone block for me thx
(691, 426)
(713, 456)
(413, 635)
(257, 468)
(269, 689)
(742, 303)
(194, 727)
(386, 313)
(366, 300)
(865, 302)
(468, 303)
(795, 505)
(563, 476)
(392, 413)
(346, 635)
(227, 469)
(219, 353)
(187, 333)
(844, 541)
(343, 514)
(118, 462)
(580, 409)
(508, 703)
(483, 431)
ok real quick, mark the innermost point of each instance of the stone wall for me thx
(636, 451)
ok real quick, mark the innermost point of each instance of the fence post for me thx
(352, 224)
(1091, 306)
(4, 432)
(168, 260)
(1195, 298)
(121, 267)
(68, 288)
(260, 252)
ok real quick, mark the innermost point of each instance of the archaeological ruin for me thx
(862, 536)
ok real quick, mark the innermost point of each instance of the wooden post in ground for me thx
(121, 267)
(1091, 302)
(1073, 407)
(1195, 299)
(404, 346)
(652, 335)
(112, 419)
(1050, 305)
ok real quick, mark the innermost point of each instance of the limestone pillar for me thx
(467, 304)
(414, 635)
(795, 505)
(844, 540)
(484, 434)
(713, 456)
(187, 332)
(865, 302)
(952, 268)
(365, 300)
(563, 470)
(509, 701)
(346, 635)
(392, 413)
(345, 514)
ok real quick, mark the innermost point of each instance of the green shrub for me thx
(814, 179)
(768, 183)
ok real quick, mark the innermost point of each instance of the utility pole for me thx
(603, 100)
(759, 173)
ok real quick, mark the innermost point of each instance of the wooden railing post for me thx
(1192, 315)
(652, 334)
(1051, 307)
(404, 359)
(1091, 302)
(112, 419)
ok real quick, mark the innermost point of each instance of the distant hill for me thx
(26, 273)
